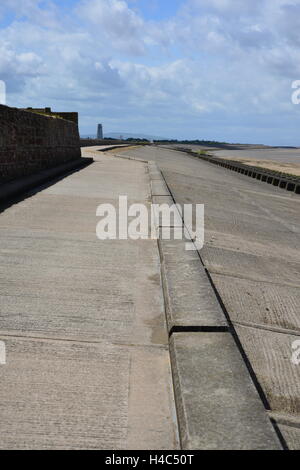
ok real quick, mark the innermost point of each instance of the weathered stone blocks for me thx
(31, 142)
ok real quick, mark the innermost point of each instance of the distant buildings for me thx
(100, 132)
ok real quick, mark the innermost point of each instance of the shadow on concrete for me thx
(6, 204)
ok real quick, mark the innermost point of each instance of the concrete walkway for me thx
(83, 321)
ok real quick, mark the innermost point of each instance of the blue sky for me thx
(207, 69)
(157, 9)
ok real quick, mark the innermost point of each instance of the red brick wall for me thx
(31, 142)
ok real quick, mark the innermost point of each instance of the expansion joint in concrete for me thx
(198, 329)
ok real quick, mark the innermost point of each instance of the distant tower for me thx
(100, 132)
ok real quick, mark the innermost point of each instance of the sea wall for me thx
(30, 142)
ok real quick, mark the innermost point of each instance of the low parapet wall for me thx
(31, 142)
(98, 142)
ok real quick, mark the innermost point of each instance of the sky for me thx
(186, 69)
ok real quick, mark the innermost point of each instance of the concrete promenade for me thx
(124, 344)
(252, 253)
(83, 321)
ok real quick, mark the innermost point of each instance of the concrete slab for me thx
(217, 404)
(291, 436)
(253, 267)
(289, 426)
(163, 200)
(47, 297)
(255, 244)
(74, 219)
(190, 300)
(260, 303)
(167, 214)
(175, 251)
(137, 187)
(201, 189)
(76, 395)
(63, 395)
(238, 223)
(169, 218)
(155, 174)
(159, 188)
(282, 208)
(270, 354)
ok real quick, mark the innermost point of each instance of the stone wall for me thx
(47, 111)
(31, 142)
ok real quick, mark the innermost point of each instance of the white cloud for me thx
(34, 10)
(215, 61)
(114, 22)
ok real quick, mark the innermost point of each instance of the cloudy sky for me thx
(211, 69)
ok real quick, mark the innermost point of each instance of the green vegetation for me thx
(131, 139)
(43, 113)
